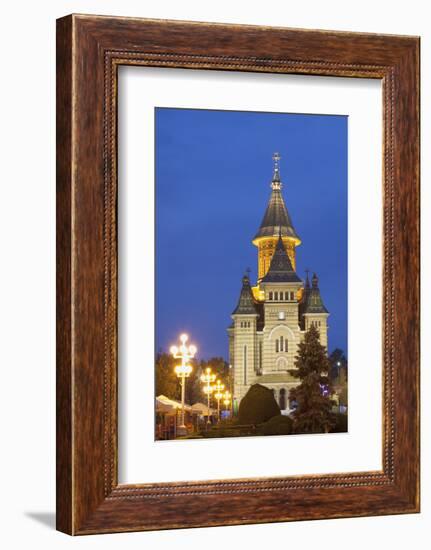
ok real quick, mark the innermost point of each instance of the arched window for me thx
(281, 343)
(275, 295)
(282, 399)
(270, 295)
(276, 346)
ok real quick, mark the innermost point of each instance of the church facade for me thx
(271, 318)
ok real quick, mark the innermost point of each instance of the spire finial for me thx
(276, 182)
(307, 280)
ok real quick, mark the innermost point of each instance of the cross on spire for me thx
(276, 182)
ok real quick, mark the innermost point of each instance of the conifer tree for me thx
(313, 394)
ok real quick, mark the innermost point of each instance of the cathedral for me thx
(271, 318)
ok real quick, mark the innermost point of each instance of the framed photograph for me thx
(237, 274)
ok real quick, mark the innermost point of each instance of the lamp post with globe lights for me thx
(208, 378)
(183, 371)
(227, 399)
(218, 387)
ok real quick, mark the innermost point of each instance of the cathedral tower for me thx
(276, 222)
(271, 318)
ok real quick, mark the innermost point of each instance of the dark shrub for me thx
(278, 425)
(258, 405)
(340, 423)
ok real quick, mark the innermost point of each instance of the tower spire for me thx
(246, 305)
(313, 302)
(276, 181)
(307, 280)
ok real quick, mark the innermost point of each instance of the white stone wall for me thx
(244, 353)
(281, 319)
(321, 323)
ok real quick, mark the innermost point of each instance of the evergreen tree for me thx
(313, 394)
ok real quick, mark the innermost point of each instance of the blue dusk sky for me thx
(213, 174)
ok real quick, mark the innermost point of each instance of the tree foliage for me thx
(342, 388)
(166, 379)
(168, 384)
(338, 362)
(340, 423)
(258, 405)
(278, 425)
(313, 394)
(338, 375)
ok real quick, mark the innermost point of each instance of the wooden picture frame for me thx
(89, 51)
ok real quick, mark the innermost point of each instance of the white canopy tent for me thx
(201, 408)
(166, 405)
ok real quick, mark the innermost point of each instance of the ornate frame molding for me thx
(90, 50)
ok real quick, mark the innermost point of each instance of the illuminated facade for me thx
(272, 317)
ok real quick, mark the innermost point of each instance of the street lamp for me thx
(219, 387)
(231, 389)
(183, 371)
(227, 399)
(208, 378)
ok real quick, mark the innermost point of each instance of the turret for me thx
(243, 340)
(313, 309)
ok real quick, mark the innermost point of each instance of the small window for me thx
(292, 296)
(270, 295)
(281, 343)
(275, 295)
(276, 346)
